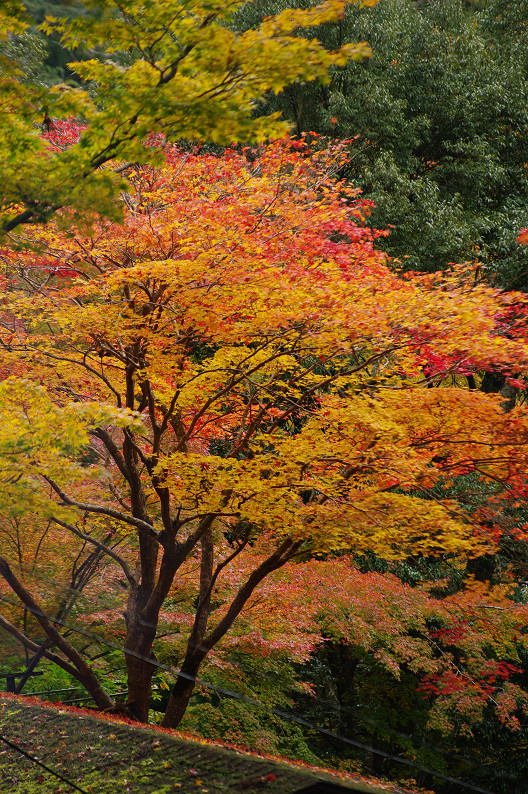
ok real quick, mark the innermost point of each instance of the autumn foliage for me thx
(178, 69)
(233, 383)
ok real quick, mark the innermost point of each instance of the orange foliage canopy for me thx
(278, 370)
(245, 313)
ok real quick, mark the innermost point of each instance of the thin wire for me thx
(252, 702)
(90, 599)
(50, 692)
(89, 697)
(338, 707)
(36, 761)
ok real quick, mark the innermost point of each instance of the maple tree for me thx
(233, 380)
(172, 68)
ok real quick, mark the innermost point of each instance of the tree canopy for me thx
(236, 438)
(279, 374)
(173, 69)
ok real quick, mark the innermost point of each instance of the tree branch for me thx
(141, 525)
(112, 449)
(101, 546)
(33, 646)
(276, 560)
(83, 672)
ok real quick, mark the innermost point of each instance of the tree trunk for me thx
(182, 690)
(199, 645)
(496, 383)
(138, 651)
(140, 675)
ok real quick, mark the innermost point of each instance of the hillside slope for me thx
(103, 756)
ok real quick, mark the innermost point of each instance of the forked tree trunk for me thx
(200, 644)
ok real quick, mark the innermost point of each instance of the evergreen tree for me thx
(440, 112)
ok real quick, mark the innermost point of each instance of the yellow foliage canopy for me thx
(278, 366)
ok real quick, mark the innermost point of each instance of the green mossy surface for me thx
(103, 757)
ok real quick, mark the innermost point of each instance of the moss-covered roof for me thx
(104, 756)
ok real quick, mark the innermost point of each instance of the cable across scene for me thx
(253, 702)
(39, 763)
(260, 674)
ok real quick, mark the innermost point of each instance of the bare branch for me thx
(83, 672)
(33, 646)
(141, 525)
(101, 546)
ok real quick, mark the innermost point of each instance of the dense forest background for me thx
(440, 115)
(436, 124)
